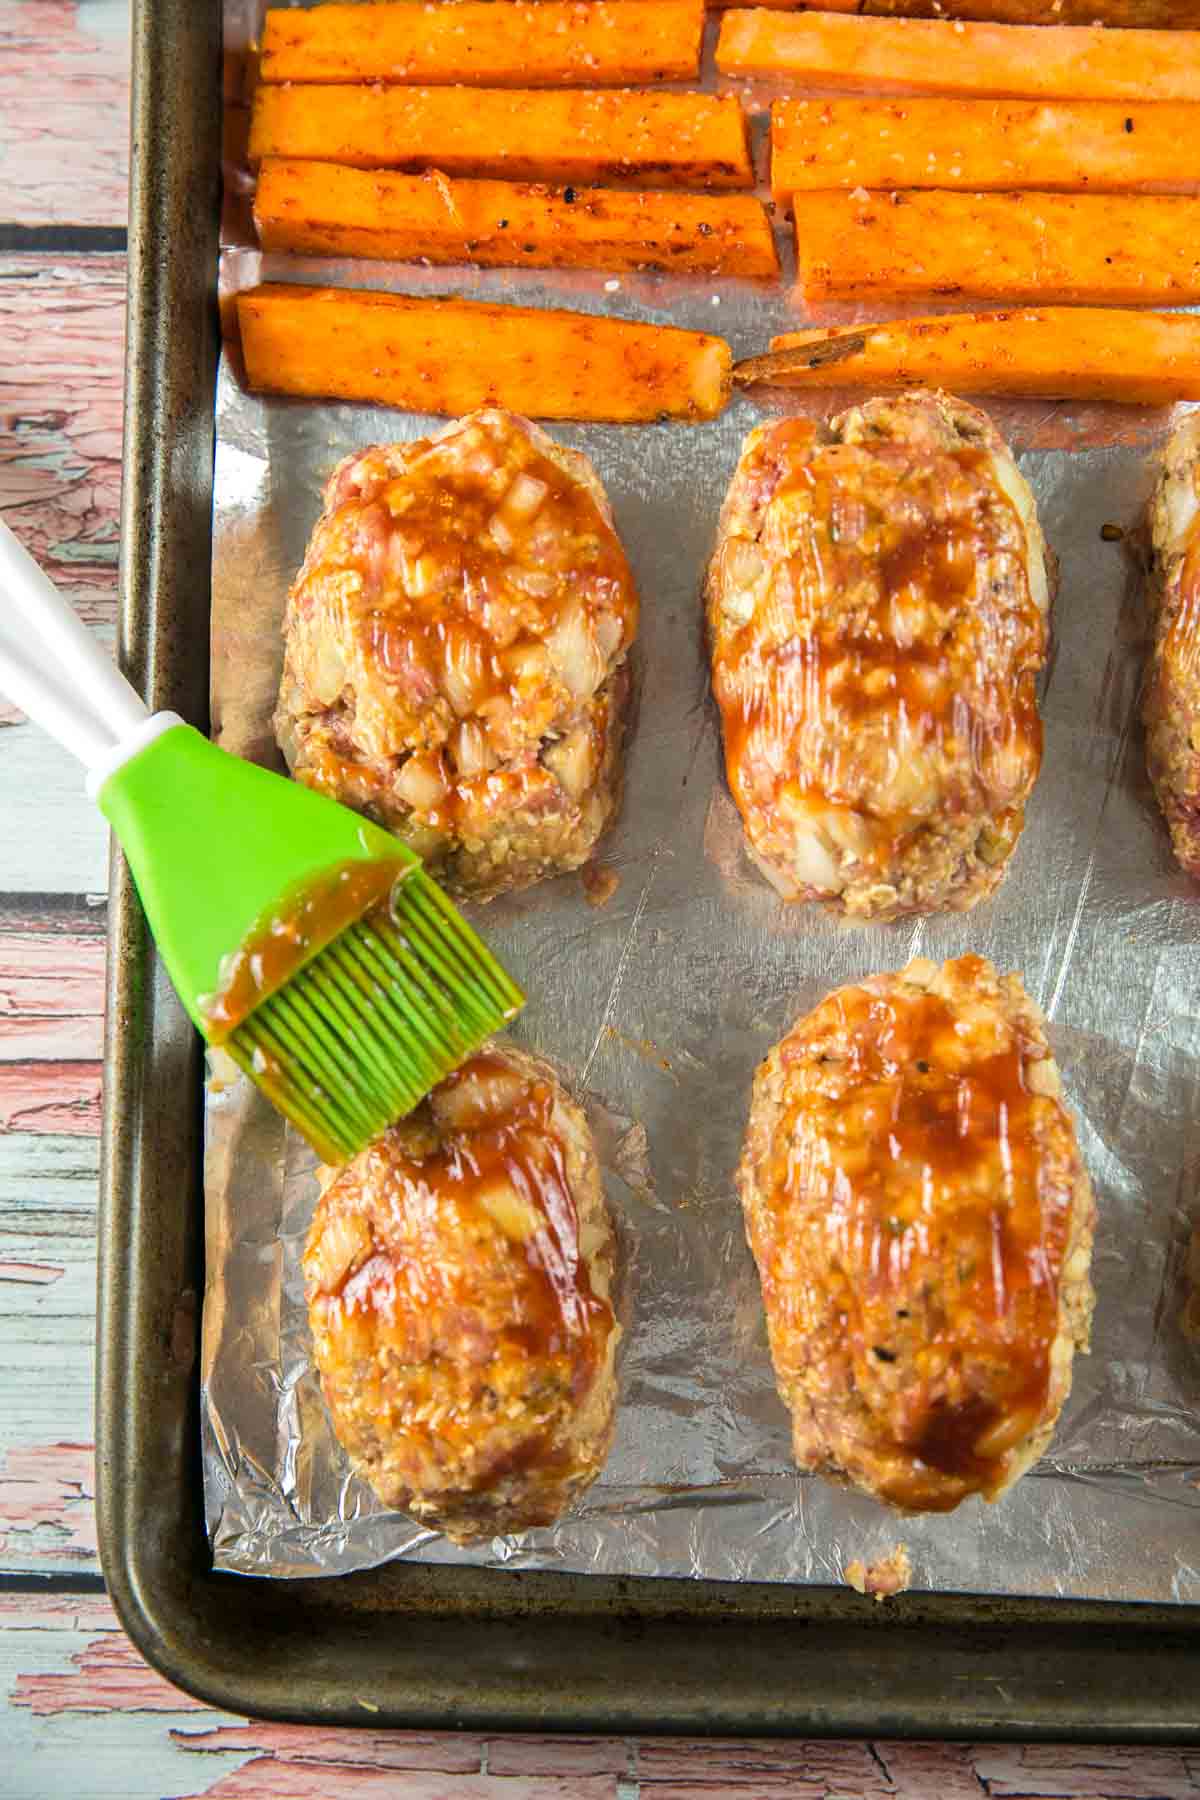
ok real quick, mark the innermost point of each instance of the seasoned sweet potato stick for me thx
(502, 42)
(1106, 248)
(1069, 353)
(449, 356)
(656, 140)
(1097, 146)
(322, 209)
(1167, 15)
(935, 56)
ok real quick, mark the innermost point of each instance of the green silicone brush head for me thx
(307, 941)
(389, 1008)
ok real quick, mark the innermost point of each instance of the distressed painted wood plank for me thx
(25, 1611)
(1066, 1771)
(67, 1292)
(444, 1752)
(107, 1675)
(66, 163)
(47, 1333)
(61, 348)
(51, 1031)
(62, 321)
(268, 1779)
(62, 1647)
(561, 1756)
(30, 1274)
(673, 1769)
(51, 997)
(54, 837)
(47, 1190)
(45, 1097)
(51, 1002)
(47, 1512)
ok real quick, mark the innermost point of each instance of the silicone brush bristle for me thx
(360, 1034)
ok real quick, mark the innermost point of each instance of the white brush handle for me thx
(53, 669)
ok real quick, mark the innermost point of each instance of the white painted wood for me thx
(91, 1754)
(47, 1366)
(52, 839)
(48, 1187)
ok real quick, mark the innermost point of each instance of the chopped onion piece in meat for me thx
(575, 653)
(421, 783)
(486, 1090)
(524, 496)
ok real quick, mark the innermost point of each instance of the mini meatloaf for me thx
(877, 613)
(922, 1222)
(1171, 706)
(455, 651)
(458, 1275)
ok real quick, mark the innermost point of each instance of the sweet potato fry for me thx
(552, 43)
(1166, 15)
(447, 356)
(937, 56)
(657, 140)
(1102, 146)
(1139, 249)
(322, 209)
(1064, 353)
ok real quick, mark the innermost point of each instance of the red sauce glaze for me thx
(553, 1310)
(908, 1186)
(467, 561)
(881, 630)
(305, 920)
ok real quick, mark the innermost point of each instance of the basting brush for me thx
(306, 941)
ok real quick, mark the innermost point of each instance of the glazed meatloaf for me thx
(455, 650)
(877, 611)
(458, 1275)
(1171, 704)
(922, 1222)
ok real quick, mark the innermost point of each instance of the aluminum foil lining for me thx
(657, 1006)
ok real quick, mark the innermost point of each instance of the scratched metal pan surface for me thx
(775, 1649)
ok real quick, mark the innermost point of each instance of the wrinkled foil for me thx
(657, 1007)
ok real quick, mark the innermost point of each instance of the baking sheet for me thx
(657, 1007)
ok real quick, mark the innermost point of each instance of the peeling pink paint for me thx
(57, 1098)
(51, 997)
(269, 1779)
(560, 1756)
(65, 162)
(447, 1753)
(62, 327)
(32, 1274)
(25, 1611)
(107, 1675)
(48, 1488)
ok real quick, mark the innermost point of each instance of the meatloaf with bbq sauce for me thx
(458, 1275)
(922, 1222)
(1171, 700)
(878, 616)
(455, 651)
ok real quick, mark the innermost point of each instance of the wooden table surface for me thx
(80, 1713)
